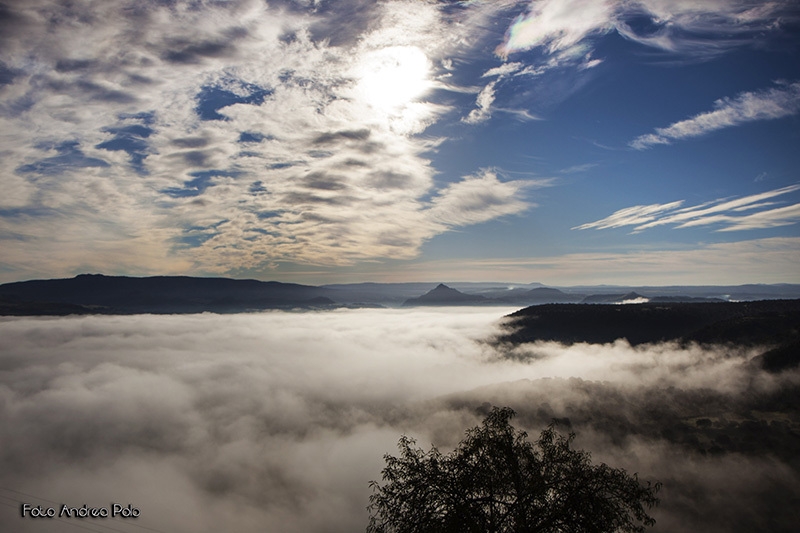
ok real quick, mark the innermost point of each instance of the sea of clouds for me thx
(277, 421)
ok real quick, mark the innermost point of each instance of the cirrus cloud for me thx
(564, 29)
(721, 211)
(747, 107)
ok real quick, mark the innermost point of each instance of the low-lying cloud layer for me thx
(277, 421)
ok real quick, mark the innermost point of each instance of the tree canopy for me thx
(496, 480)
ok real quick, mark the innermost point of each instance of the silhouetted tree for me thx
(497, 481)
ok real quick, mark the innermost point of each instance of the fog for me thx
(277, 421)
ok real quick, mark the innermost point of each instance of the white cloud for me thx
(486, 97)
(637, 214)
(649, 216)
(483, 102)
(563, 33)
(276, 422)
(690, 28)
(558, 25)
(747, 107)
(781, 216)
(480, 198)
(503, 70)
(111, 168)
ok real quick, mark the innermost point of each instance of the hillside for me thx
(95, 293)
(772, 323)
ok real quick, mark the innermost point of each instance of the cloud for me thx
(483, 103)
(746, 107)
(579, 168)
(277, 421)
(648, 216)
(486, 97)
(557, 26)
(770, 260)
(563, 35)
(480, 198)
(565, 29)
(781, 216)
(503, 70)
(637, 214)
(220, 137)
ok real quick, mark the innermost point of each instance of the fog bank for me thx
(277, 421)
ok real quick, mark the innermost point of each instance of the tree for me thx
(497, 481)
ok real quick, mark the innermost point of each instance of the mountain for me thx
(550, 295)
(444, 295)
(776, 291)
(614, 298)
(396, 293)
(96, 293)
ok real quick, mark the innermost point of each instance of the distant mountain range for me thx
(442, 295)
(96, 293)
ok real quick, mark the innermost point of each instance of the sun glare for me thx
(391, 78)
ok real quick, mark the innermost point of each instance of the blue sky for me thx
(566, 142)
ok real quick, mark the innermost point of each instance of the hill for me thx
(444, 295)
(95, 293)
(772, 323)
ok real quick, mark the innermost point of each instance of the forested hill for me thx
(770, 323)
(95, 293)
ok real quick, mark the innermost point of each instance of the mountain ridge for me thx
(99, 293)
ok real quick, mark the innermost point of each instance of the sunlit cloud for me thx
(564, 32)
(781, 216)
(637, 214)
(390, 78)
(480, 198)
(747, 107)
(483, 105)
(503, 70)
(558, 25)
(564, 29)
(228, 137)
(240, 137)
(721, 211)
(484, 102)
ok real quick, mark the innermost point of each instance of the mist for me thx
(277, 421)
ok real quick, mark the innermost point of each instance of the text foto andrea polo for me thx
(115, 510)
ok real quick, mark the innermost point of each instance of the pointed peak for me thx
(444, 295)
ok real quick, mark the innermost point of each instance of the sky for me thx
(317, 141)
(204, 424)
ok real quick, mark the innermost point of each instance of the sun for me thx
(391, 78)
